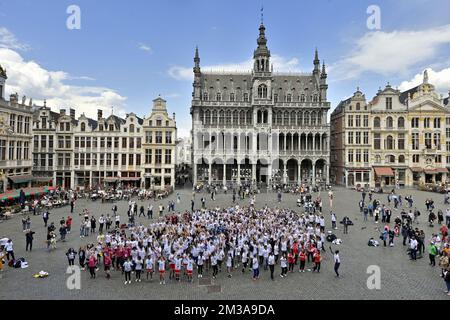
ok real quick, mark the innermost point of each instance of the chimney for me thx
(99, 114)
(174, 116)
(72, 113)
(62, 112)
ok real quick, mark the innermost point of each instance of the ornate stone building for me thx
(159, 147)
(398, 138)
(260, 126)
(86, 153)
(15, 139)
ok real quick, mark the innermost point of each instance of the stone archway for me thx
(292, 171)
(306, 170)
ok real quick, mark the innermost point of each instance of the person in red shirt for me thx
(92, 264)
(107, 262)
(317, 259)
(69, 224)
(302, 260)
(291, 261)
(294, 249)
(444, 233)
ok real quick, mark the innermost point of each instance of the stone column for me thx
(253, 173)
(224, 176)
(194, 173)
(299, 173)
(313, 173)
(327, 172)
(239, 174)
(209, 173)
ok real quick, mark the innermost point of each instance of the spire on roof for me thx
(197, 69)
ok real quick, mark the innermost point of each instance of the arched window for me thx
(376, 122)
(319, 118)
(389, 143)
(235, 117)
(316, 98)
(228, 118)
(232, 97)
(219, 97)
(389, 123)
(83, 127)
(279, 118)
(358, 106)
(221, 117)
(302, 98)
(242, 118)
(306, 119)
(313, 118)
(205, 96)
(401, 159)
(249, 117)
(286, 118)
(131, 128)
(401, 123)
(207, 117)
(262, 91)
(390, 159)
(214, 117)
(289, 98)
(293, 118)
(300, 118)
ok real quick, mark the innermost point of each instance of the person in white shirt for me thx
(189, 268)
(162, 270)
(127, 267)
(149, 267)
(229, 264)
(9, 250)
(138, 268)
(255, 267)
(413, 247)
(200, 265)
(284, 265)
(337, 261)
(271, 263)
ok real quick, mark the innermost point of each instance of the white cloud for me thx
(144, 47)
(390, 53)
(183, 131)
(280, 64)
(440, 79)
(9, 41)
(31, 79)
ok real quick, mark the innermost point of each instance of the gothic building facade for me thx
(260, 126)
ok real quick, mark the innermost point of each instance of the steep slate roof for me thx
(405, 95)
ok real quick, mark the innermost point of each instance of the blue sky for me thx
(127, 53)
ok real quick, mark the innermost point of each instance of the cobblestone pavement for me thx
(400, 277)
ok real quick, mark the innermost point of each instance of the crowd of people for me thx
(268, 242)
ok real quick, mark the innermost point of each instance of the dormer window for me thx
(262, 91)
(111, 127)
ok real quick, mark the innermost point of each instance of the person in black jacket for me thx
(29, 239)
